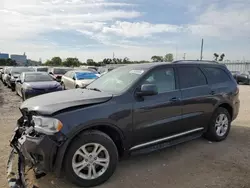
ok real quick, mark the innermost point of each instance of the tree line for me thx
(7, 62)
(75, 62)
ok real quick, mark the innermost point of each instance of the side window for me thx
(164, 79)
(216, 75)
(191, 77)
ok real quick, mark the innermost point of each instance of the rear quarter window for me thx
(216, 75)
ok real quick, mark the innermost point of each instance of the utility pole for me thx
(176, 53)
(184, 56)
(201, 49)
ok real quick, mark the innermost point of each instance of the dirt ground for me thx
(196, 164)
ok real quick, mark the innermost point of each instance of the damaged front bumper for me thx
(30, 151)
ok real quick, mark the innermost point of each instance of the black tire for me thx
(4, 83)
(211, 132)
(63, 86)
(23, 96)
(13, 88)
(77, 86)
(85, 138)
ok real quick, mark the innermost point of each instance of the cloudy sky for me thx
(136, 29)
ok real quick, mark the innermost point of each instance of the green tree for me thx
(126, 60)
(107, 61)
(71, 62)
(56, 61)
(169, 57)
(156, 58)
(90, 62)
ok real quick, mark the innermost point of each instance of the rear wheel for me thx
(63, 86)
(77, 86)
(23, 95)
(219, 125)
(91, 159)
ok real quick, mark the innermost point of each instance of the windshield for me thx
(37, 77)
(61, 71)
(117, 80)
(42, 69)
(85, 75)
(20, 70)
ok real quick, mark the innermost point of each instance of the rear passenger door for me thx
(220, 83)
(196, 102)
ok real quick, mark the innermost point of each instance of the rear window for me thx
(191, 77)
(42, 69)
(216, 75)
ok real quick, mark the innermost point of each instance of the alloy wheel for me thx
(90, 161)
(221, 125)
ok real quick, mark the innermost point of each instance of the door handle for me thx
(174, 99)
(212, 92)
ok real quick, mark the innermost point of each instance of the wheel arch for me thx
(228, 107)
(112, 131)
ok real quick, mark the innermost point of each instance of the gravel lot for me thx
(196, 164)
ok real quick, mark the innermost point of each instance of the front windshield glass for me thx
(37, 77)
(61, 71)
(117, 80)
(85, 75)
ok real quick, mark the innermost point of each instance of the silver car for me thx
(6, 71)
(78, 78)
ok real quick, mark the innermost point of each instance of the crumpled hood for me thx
(43, 85)
(50, 103)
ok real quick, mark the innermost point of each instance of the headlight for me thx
(47, 125)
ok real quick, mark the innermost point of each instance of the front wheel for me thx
(219, 126)
(91, 159)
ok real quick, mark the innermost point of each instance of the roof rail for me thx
(196, 61)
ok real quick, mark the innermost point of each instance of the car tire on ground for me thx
(77, 86)
(23, 95)
(13, 89)
(4, 83)
(219, 126)
(63, 86)
(91, 159)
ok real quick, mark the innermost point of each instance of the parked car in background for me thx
(132, 109)
(41, 69)
(104, 70)
(31, 84)
(243, 78)
(78, 78)
(58, 72)
(235, 74)
(14, 74)
(1, 72)
(5, 73)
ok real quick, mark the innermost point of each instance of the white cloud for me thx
(139, 29)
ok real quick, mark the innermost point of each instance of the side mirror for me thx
(74, 78)
(9, 74)
(51, 73)
(18, 81)
(147, 90)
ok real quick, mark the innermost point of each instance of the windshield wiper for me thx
(95, 89)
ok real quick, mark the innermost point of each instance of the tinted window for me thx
(191, 77)
(19, 70)
(164, 79)
(37, 77)
(60, 71)
(216, 75)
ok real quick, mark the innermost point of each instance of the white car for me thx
(78, 78)
(6, 71)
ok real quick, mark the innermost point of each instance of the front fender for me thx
(63, 148)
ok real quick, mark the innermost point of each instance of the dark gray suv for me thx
(132, 109)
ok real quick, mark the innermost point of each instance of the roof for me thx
(36, 73)
(195, 62)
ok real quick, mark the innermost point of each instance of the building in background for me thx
(20, 59)
(4, 56)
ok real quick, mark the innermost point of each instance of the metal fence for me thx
(241, 66)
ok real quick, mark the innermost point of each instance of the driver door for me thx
(158, 116)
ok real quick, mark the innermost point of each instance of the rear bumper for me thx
(236, 110)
